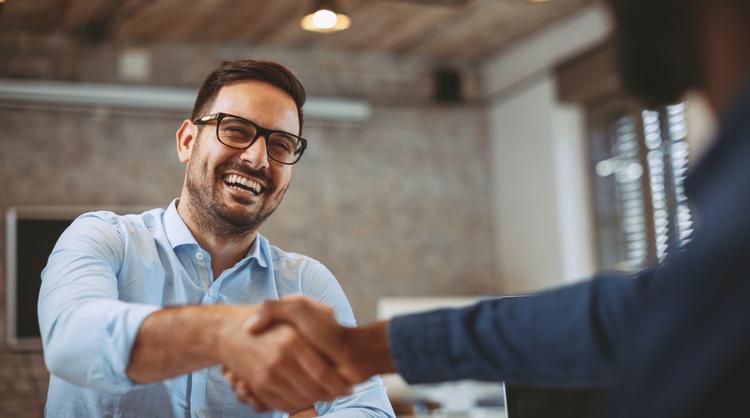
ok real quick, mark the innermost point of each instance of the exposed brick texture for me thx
(397, 205)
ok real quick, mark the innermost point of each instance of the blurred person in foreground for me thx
(138, 312)
(672, 341)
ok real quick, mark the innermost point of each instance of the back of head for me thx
(660, 47)
(229, 72)
(662, 44)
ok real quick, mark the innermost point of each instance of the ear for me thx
(186, 137)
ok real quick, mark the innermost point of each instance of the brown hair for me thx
(230, 71)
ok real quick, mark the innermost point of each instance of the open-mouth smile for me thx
(237, 182)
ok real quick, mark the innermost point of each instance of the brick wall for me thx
(396, 205)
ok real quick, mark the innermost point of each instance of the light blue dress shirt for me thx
(107, 273)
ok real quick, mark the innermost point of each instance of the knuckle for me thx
(275, 362)
(323, 374)
(267, 305)
(288, 343)
(260, 407)
(262, 377)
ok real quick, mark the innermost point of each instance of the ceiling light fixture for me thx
(325, 17)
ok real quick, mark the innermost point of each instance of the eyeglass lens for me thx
(238, 133)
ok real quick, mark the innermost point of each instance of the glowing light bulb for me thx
(324, 19)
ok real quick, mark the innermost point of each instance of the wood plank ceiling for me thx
(458, 30)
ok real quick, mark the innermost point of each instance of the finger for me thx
(280, 398)
(308, 377)
(296, 386)
(244, 395)
(330, 384)
(262, 319)
(242, 390)
(228, 374)
(255, 404)
(231, 378)
(281, 386)
(303, 314)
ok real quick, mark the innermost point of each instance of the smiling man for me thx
(138, 312)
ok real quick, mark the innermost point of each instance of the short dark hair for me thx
(231, 71)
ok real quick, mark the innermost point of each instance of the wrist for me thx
(370, 350)
(228, 323)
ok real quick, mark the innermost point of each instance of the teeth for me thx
(250, 184)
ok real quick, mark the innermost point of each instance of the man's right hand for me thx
(279, 369)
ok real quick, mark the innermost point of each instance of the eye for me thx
(283, 142)
(236, 129)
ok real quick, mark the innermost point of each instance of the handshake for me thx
(299, 355)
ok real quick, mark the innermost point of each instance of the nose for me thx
(257, 154)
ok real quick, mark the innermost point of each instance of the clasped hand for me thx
(289, 355)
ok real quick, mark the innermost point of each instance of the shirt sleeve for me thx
(564, 337)
(87, 332)
(369, 398)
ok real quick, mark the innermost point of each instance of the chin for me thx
(238, 218)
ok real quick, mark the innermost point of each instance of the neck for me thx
(727, 60)
(225, 248)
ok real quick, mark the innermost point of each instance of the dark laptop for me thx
(535, 402)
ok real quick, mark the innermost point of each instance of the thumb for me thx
(262, 319)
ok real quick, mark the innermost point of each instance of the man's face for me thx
(212, 165)
(660, 47)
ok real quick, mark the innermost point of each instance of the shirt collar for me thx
(259, 251)
(179, 234)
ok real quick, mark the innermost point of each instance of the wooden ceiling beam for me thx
(369, 21)
(413, 26)
(78, 14)
(424, 28)
(280, 20)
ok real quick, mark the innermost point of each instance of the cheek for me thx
(283, 177)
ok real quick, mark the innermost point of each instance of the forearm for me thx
(563, 336)
(178, 340)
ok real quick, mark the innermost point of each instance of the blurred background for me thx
(457, 147)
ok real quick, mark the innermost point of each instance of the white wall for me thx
(701, 125)
(543, 216)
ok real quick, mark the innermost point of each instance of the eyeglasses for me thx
(239, 133)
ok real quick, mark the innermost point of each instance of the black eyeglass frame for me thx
(259, 131)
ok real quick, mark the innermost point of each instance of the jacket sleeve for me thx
(564, 337)
(87, 332)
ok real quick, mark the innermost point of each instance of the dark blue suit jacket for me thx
(673, 341)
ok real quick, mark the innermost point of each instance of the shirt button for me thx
(198, 412)
(211, 293)
(199, 256)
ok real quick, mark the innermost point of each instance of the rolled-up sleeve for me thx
(86, 331)
(368, 399)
